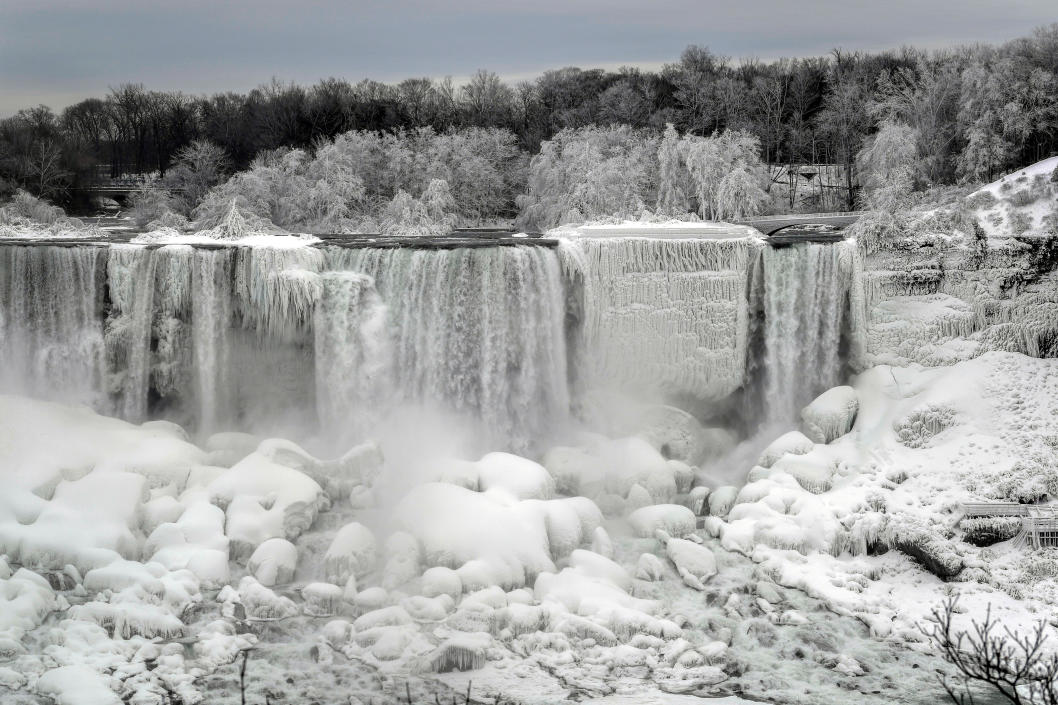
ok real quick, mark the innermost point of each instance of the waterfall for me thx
(211, 316)
(264, 339)
(353, 355)
(806, 293)
(662, 316)
(51, 333)
(478, 331)
(131, 275)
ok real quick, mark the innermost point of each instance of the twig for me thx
(242, 675)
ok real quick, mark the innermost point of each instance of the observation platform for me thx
(1039, 524)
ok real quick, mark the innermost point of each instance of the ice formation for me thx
(669, 315)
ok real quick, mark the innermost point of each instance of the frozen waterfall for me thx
(51, 340)
(806, 291)
(478, 331)
(330, 339)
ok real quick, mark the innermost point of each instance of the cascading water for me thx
(131, 275)
(353, 355)
(51, 341)
(806, 300)
(478, 331)
(267, 338)
(211, 315)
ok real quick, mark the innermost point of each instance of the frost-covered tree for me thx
(672, 175)
(198, 167)
(732, 157)
(740, 194)
(439, 204)
(590, 173)
(429, 216)
(270, 189)
(887, 165)
(150, 203)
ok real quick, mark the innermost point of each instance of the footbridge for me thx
(803, 227)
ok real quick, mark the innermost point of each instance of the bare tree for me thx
(1015, 666)
(44, 170)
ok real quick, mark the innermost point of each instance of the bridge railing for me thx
(801, 216)
(994, 509)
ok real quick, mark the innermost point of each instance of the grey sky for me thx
(59, 51)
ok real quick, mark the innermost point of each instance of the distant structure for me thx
(1039, 525)
(118, 188)
(812, 187)
(800, 226)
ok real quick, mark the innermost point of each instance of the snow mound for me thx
(830, 415)
(792, 443)
(273, 562)
(456, 525)
(265, 500)
(353, 551)
(673, 519)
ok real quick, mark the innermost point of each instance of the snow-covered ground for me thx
(137, 564)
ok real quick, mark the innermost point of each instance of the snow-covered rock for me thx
(440, 580)
(273, 562)
(353, 551)
(695, 563)
(455, 525)
(830, 415)
(673, 519)
(322, 599)
(791, 443)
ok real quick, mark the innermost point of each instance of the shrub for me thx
(981, 200)
(985, 531)
(149, 204)
(28, 207)
(1025, 197)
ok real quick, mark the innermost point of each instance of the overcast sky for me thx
(60, 51)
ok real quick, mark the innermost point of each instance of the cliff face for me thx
(962, 280)
(940, 304)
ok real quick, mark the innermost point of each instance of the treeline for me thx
(972, 112)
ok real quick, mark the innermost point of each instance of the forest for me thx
(651, 141)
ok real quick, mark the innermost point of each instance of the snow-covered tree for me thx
(439, 204)
(740, 194)
(887, 165)
(408, 216)
(733, 156)
(672, 176)
(590, 173)
(198, 167)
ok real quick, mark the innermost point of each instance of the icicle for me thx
(131, 272)
(278, 290)
(667, 315)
